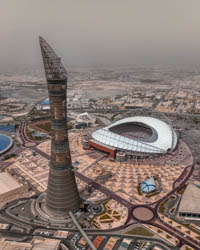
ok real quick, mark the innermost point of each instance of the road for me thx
(32, 234)
(156, 221)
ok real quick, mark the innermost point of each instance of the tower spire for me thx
(52, 63)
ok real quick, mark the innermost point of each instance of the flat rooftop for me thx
(190, 200)
(7, 183)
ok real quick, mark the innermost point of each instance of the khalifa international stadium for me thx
(135, 135)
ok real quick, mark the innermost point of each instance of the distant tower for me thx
(62, 193)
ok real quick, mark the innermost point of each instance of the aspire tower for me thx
(62, 193)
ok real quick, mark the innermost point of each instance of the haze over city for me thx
(101, 33)
(99, 125)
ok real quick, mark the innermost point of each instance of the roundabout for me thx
(143, 214)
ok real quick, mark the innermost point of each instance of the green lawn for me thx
(104, 217)
(140, 231)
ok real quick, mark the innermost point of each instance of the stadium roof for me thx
(165, 140)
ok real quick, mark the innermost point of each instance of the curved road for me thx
(156, 221)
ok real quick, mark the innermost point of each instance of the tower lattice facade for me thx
(62, 193)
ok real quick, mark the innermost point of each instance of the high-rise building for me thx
(62, 193)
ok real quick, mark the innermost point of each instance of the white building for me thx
(189, 207)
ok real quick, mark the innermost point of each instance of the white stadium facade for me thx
(135, 135)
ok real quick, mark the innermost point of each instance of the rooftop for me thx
(37, 243)
(148, 185)
(7, 183)
(165, 139)
(190, 200)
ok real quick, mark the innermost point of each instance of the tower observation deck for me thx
(62, 193)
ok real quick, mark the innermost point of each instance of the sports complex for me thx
(138, 135)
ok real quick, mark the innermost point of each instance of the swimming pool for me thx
(5, 143)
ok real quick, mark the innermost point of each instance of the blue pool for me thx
(45, 102)
(7, 128)
(5, 142)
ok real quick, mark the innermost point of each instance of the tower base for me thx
(46, 214)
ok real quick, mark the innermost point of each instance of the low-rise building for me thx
(82, 241)
(61, 234)
(189, 207)
(10, 187)
(37, 243)
(98, 240)
(124, 244)
(110, 243)
(148, 185)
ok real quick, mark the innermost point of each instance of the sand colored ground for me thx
(143, 213)
(163, 234)
(33, 167)
(123, 178)
(180, 227)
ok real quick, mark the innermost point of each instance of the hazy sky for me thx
(100, 32)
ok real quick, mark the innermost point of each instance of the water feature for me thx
(7, 128)
(5, 142)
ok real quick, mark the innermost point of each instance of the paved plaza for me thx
(122, 178)
(113, 178)
(76, 148)
(33, 167)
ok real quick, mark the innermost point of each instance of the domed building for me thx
(135, 135)
(148, 185)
